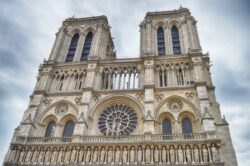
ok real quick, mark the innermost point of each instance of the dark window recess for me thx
(176, 40)
(50, 129)
(72, 48)
(186, 126)
(68, 129)
(160, 41)
(166, 127)
(87, 46)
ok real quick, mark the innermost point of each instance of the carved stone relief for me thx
(175, 105)
(61, 109)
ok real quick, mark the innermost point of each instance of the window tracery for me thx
(117, 120)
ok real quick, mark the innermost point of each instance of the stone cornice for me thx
(85, 20)
(168, 14)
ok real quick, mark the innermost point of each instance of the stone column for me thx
(57, 44)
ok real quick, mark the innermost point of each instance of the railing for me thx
(129, 138)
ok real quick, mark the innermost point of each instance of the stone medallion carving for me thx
(117, 120)
(189, 95)
(61, 109)
(175, 105)
(47, 102)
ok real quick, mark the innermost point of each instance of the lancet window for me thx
(72, 48)
(50, 129)
(186, 126)
(175, 40)
(87, 46)
(120, 78)
(160, 41)
(166, 127)
(68, 129)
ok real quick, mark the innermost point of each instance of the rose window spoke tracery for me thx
(117, 120)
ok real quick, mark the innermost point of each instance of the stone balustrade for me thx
(119, 139)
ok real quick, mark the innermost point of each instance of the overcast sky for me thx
(27, 32)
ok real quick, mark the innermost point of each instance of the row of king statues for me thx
(145, 154)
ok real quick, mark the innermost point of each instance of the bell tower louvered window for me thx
(87, 46)
(160, 41)
(72, 48)
(176, 40)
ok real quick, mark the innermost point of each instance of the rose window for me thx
(117, 120)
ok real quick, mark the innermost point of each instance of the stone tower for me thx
(90, 108)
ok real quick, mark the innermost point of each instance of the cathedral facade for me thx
(90, 108)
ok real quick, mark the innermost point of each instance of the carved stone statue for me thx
(80, 156)
(188, 154)
(28, 156)
(21, 156)
(110, 155)
(156, 155)
(172, 154)
(67, 155)
(125, 155)
(41, 156)
(117, 155)
(147, 155)
(164, 154)
(139, 155)
(215, 153)
(204, 153)
(102, 156)
(47, 156)
(60, 156)
(132, 155)
(34, 156)
(88, 155)
(54, 156)
(95, 155)
(73, 155)
(180, 154)
(196, 154)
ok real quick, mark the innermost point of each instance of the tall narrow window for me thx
(160, 41)
(72, 48)
(186, 126)
(166, 127)
(176, 40)
(68, 129)
(87, 46)
(50, 129)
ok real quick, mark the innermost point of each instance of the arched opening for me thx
(160, 41)
(87, 46)
(68, 129)
(50, 129)
(166, 127)
(72, 48)
(186, 126)
(176, 40)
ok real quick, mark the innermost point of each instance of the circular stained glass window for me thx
(117, 120)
